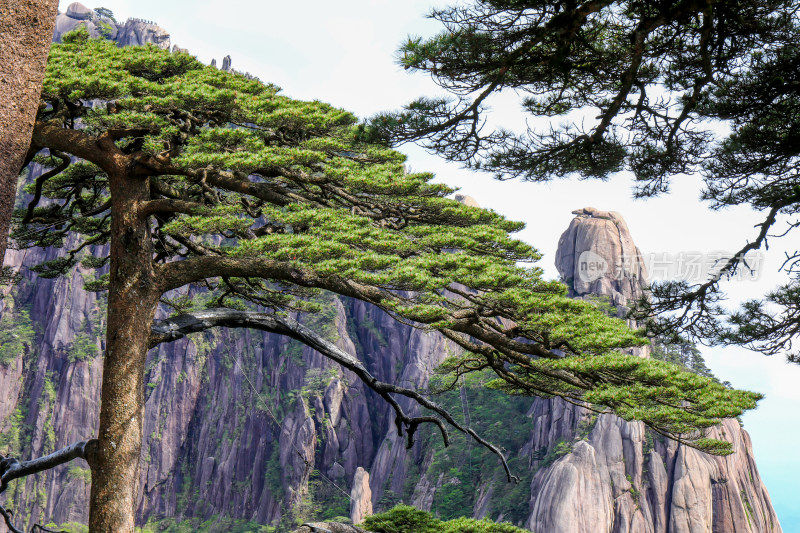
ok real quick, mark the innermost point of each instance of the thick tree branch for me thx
(11, 469)
(164, 205)
(120, 133)
(102, 152)
(223, 179)
(180, 273)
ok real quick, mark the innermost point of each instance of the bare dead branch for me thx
(37, 195)
(178, 327)
(11, 469)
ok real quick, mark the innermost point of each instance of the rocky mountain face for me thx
(132, 32)
(618, 476)
(597, 258)
(255, 426)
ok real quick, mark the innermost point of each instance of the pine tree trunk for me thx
(132, 301)
(26, 27)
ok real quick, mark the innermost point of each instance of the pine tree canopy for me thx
(267, 202)
(642, 86)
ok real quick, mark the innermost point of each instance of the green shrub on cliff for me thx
(16, 335)
(407, 519)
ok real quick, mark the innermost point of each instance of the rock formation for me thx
(328, 527)
(610, 475)
(237, 422)
(78, 11)
(596, 257)
(130, 33)
(360, 497)
(467, 200)
(619, 477)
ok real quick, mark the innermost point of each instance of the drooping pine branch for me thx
(625, 85)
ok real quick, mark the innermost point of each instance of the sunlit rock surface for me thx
(620, 477)
(360, 497)
(129, 33)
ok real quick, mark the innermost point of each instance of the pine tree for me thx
(198, 177)
(631, 85)
(105, 12)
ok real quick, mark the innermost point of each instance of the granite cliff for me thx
(619, 477)
(257, 427)
(132, 32)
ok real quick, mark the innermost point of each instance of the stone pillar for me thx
(360, 497)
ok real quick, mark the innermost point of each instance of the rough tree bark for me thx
(133, 298)
(26, 27)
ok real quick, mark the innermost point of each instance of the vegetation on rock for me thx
(16, 335)
(465, 466)
(407, 519)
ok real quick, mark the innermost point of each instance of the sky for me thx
(343, 53)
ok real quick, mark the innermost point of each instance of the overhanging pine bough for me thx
(614, 85)
(200, 177)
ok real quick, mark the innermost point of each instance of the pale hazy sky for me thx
(343, 52)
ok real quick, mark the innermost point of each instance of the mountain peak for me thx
(596, 257)
(78, 11)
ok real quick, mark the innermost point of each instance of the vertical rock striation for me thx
(597, 258)
(360, 497)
